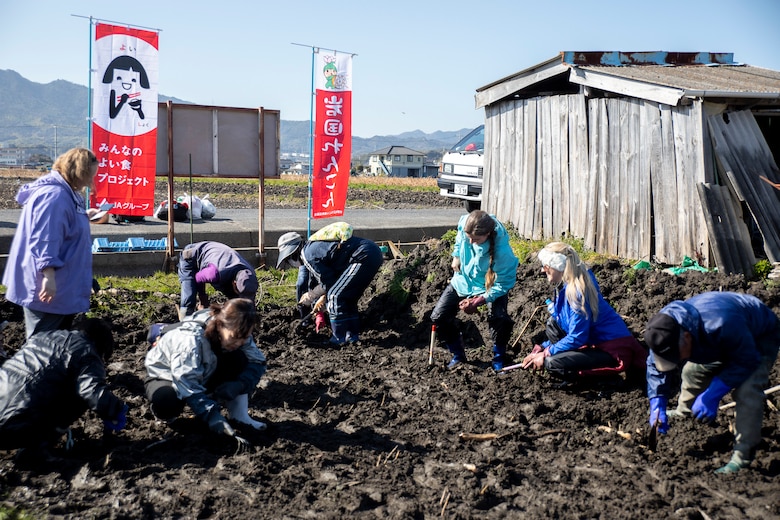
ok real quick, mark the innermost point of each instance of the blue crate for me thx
(102, 245)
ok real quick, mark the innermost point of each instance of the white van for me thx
(460, 173)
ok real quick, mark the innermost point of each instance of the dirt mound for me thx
(371, 430)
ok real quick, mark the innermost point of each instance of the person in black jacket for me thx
(52, 380)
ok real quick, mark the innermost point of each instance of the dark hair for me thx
(238, 315)
(126, 63)
(99, 333)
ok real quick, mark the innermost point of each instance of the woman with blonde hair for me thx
(49, 269)
(484, 269)
(585, 334)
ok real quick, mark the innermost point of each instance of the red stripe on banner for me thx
(332, 153)
(102, 29)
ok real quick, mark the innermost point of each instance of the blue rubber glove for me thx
(705, 408)
(119, 423)
(658, 414)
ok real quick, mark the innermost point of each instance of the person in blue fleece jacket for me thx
(724, 341)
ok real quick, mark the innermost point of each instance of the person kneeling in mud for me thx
(206, 360)
(51, 381)
(586, 337)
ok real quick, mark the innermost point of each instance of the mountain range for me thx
(54, 115)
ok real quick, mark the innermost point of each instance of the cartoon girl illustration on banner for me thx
(127, 77)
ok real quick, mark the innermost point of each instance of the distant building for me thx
(396, 161)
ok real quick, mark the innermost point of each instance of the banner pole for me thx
(89, 107)
(311, 146)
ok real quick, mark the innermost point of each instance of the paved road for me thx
(241, 230)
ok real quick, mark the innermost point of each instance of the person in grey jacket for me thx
(52, 380)
(217, 264)
(208, 359)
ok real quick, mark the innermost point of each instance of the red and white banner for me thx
(124, 124)
(332, 134)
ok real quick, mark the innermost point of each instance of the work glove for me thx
(658, 414)
(470, 305)
(219, 425)
(119, 423)
(229, 390)
(320, 305)
(312, 296)
(319, 321)
(705, 408)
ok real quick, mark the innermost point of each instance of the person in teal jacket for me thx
(484, 270)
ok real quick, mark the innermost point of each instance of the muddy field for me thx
(372, 430)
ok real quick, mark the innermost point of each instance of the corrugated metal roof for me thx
(710, 78)
(702, 75)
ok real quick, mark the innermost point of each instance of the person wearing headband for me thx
(723, 341)
(484, 269)
(585, 336)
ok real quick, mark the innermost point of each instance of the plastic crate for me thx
(102, 245)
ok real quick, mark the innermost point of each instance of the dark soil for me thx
(371, 430)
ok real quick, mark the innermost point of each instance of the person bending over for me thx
(208, 360)
(723, 341)
(52, 380)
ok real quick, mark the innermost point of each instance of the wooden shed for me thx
(644, 155)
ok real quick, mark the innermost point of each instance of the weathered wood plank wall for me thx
(599, 171)
(743, 156)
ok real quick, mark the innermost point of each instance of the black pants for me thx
(567, 365)
(444, 316)
(162, 395)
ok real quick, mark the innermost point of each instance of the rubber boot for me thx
(738, 461)
(498, 357)
(458, 353)
(339, 332)
(238, 410)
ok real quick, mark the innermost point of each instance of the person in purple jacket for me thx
(217, 264)
(723, 341)
(586, 337)
(49, 269)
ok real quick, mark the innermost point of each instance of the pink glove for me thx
(469, 305)
(319, 321)
(208, 274)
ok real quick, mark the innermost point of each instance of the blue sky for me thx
(417, 64)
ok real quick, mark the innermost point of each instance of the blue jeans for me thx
(39, 321)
